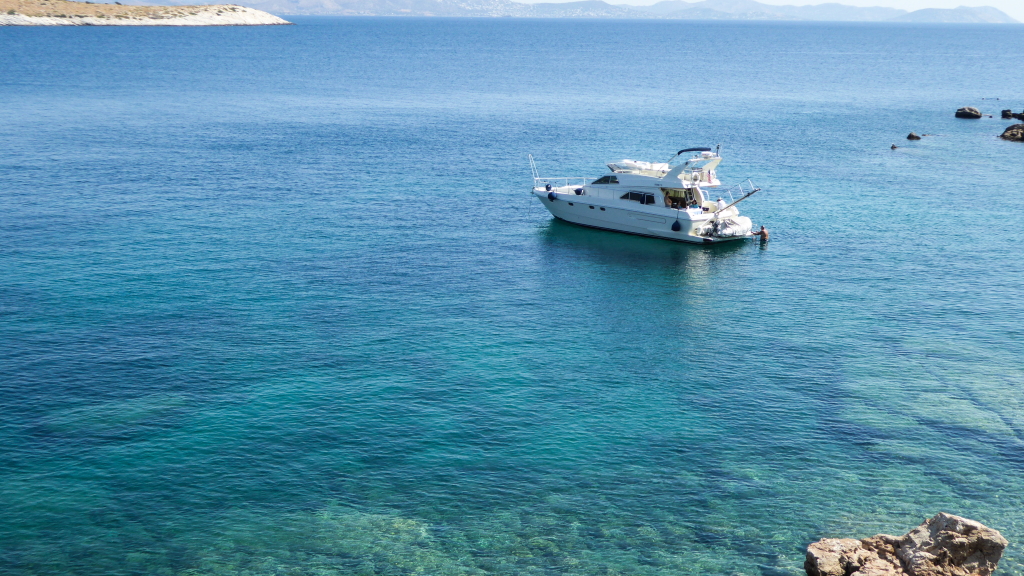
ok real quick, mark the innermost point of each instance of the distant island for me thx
(667, 9)
(65, 13)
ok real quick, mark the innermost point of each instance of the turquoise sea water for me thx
(276, 300)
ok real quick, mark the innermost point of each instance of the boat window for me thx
(638, 197)
(606, 180)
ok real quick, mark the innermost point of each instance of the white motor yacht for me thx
(660, 199)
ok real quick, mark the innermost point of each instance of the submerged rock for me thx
(913, 136)
(945, 545)
(1014, 133)
(968, 112)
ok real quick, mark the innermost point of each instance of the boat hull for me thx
(650, 221)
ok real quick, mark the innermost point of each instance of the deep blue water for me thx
(276, 300)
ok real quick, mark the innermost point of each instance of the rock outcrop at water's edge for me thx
(67, 13)
(945, 545)
(1014, 133)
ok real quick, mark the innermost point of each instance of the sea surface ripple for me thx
(275, 300)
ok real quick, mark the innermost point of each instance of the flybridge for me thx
(703, 161)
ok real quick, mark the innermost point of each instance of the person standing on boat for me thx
(721, 204)
(763, 233)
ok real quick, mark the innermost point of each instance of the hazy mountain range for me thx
(666, 9)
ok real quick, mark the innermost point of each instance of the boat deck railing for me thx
(738, 190)
(562, 181)
(556, 181)
(574, 182)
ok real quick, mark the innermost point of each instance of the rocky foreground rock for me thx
(1014, 133)
(945, 545)
(969, 112)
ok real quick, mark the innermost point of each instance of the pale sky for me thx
(1015, 8)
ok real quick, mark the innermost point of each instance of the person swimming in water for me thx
(763, 233)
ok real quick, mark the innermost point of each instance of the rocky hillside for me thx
(968, 14)
(65, 13)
